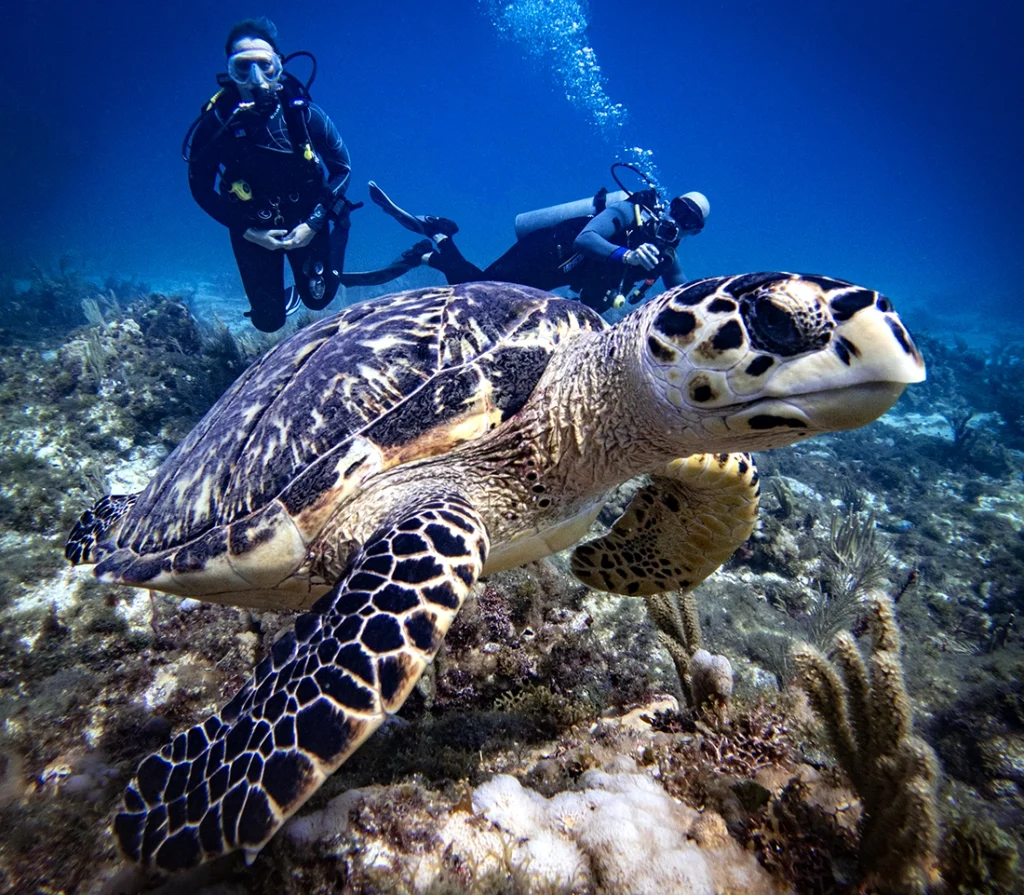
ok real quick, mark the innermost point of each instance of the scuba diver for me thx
(268, 164)
(609, 249)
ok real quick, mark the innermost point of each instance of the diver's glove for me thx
(646, 256)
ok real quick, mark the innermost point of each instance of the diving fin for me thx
(426, 224)
(413, 256)
(292, 300)
(410, 258)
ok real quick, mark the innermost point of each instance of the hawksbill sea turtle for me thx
(374, 465)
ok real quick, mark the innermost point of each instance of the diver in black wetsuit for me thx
(268, 164)
(614, 252)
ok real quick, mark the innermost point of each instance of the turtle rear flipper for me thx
(677, 530)
(95, 526)
(232, 781)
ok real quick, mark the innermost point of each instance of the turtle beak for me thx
(857, 377)
(830, 410)
(850, 408)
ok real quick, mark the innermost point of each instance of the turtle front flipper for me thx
(677, 530)
(230, 782)
(95, 527)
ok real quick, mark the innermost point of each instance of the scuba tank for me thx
(531, 221)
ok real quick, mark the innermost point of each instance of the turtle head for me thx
(768, 359)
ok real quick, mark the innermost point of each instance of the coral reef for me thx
(979, 857)
(710, 682)
(868, 716)
(706, 679)
(539, 679)
(616, 831)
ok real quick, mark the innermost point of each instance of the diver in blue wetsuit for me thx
(611, 253)
(266, 162)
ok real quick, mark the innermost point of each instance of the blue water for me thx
(878, 141)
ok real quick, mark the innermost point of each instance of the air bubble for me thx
(555, 31)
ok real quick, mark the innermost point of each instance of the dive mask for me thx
(255, 68)
(687, 215)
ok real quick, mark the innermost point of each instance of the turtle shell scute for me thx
(392, 370)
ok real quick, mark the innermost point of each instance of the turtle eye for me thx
(782, 331)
